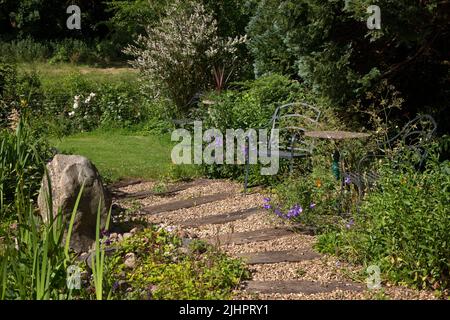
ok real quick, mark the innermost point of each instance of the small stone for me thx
(130, 260)
(113, 236)
(119, 237)
(134, 230)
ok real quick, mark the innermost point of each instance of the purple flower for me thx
(266, 200)
(104, 233)
(348, 180)
(278, 212)
(267, 206)
(350, 224)
(312, 205)
(294, 212)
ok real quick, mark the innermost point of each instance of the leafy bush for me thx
(404, 226)
(77, 103)
(25, 50)
(57, 51)
(251, 106)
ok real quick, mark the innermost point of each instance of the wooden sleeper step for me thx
(185, 204)
(222, 218)
(278, 256)
(299, 287)
(249, 236)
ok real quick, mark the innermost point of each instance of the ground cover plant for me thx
(165, 269)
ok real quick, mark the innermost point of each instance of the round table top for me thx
(336, 135)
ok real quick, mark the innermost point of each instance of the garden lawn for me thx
(61, 72)
(125, 155)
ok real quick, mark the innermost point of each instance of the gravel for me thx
(324, 269)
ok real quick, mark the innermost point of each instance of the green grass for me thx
(119, 154)
(55, 73)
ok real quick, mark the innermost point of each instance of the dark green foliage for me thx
(21, 92)
(66, 50)
(46, 19)
(333, 51)
(129, 18)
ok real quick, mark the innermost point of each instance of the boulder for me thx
(67, 174)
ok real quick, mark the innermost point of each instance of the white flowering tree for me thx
(177, 58)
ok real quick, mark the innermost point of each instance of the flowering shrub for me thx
(176, 58)
(82, 112)
(78, 104)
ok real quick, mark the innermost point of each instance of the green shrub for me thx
(77, 103)
(56, 51)
(251, 106)
(404, 225)
(164, 271)
(25, 50)
(21, 92)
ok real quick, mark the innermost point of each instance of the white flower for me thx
(76, 105)
(88, 99)
(71, 113)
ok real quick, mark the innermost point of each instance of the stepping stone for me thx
(299, 286)
(124, 183)
(185, 204)
(144, 194)
(277, 256)
(222, 218)
(250, 236)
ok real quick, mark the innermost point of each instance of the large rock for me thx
(67, 174)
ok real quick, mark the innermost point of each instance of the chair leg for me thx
(247, 168)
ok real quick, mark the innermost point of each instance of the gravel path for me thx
(323, 270)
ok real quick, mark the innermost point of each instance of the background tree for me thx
(331, 49)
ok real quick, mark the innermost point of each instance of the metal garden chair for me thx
(292, 120)
(414, 136)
